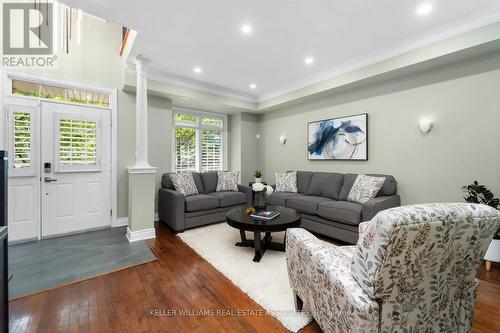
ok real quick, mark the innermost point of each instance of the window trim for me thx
(199, 127)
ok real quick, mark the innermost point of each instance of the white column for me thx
(141, 175)
(141, 146)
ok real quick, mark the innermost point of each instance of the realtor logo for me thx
(27, 30)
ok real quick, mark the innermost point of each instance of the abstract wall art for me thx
(343, 138)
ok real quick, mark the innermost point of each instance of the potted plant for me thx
(478, 193)
(258, 176)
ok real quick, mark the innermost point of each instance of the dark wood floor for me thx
(126, 301)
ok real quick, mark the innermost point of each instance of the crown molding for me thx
(452, 31)
(156, 75)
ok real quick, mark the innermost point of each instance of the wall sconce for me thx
(283, 139)
(425, 125)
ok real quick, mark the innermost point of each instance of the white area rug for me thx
(265, 282)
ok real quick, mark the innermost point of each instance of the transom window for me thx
(199, 141)
(40, 90)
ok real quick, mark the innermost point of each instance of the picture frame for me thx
(338, 139)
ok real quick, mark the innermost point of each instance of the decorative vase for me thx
(259, 200)
(258, 180)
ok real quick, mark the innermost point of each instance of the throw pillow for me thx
(227, 181)
(286, 182)
(184, 183)
(365, 188)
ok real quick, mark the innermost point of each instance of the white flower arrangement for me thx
(269, 190)
(259, 187)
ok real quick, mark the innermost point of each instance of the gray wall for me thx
(234, 143)
(250, 149)
(462, 99)
(244, 154)
(159, 143)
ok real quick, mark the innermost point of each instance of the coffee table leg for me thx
(243, 236)
(258, 246)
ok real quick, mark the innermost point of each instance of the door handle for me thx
(48, 179)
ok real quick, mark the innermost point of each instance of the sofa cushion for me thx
(227, 181)
(326, 184)
(166, 181)
(341, 211)
(209, 180)
(286, 182)
(198, 182)
(279, 198)
(306, 203)
(197, 202)
(365, 188)
(389, 187)
(227, 199)
(303, 181)
(184, 183)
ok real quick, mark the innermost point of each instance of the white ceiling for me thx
(178, 35)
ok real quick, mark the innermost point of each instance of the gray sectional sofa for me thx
(209, 206)
(322, 202)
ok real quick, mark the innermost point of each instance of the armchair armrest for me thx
(320, 274)
(372, 207)
(171, 206)
(248, 191)
(362, 228)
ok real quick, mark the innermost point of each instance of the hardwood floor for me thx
(138, 300)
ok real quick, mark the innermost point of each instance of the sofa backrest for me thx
(166, 182)
(389, 188)
(423, 258)
(337, 186)
(303, 181)
(209, 180)
(325, 184)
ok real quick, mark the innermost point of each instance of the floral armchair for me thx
(412, 270)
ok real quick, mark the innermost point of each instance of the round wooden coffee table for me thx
(237, 218)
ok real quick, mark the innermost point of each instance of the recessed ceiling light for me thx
(309, 60)
(246, 29)
(424, 8)
(197, 70)
(253, 86)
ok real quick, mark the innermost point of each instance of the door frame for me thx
(6, 77)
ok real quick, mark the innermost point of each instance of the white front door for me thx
(75, 168)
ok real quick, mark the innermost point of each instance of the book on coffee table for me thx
(265, 215)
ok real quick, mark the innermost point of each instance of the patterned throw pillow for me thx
(227, 181)
(184, 183)
(286, 182)
(365, 188)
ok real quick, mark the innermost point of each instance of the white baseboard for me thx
(120, 222)
(134, 236)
